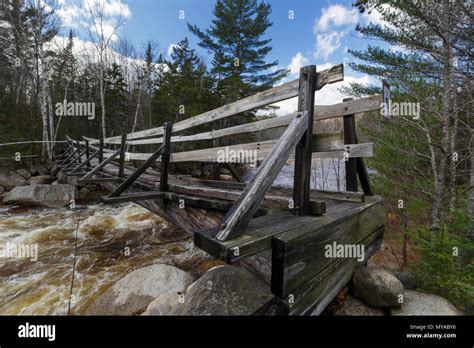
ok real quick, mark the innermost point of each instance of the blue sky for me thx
(320, 32)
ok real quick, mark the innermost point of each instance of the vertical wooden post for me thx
(78, 144)
(165, 157)
(303, 152)
(123, 148)
(101, 149)
(350, 138)
(87, 149)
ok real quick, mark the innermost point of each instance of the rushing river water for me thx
(111, 242)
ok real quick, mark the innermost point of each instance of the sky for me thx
(304, 31)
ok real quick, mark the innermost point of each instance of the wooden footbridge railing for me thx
(283, 234)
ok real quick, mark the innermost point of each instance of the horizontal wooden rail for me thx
(321, 112)
(273, 95)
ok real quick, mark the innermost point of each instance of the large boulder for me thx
(137, 289)
(163, 304)
(377, 287)
(224, 290)
(39, 169)
(43, 195)
(42, 180)
(420, 303)
(353, 306)
(9, 178)
(24, 173)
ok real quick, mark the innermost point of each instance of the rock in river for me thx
(9, 178)
(224, 290)
(43, 195)
(137, 289)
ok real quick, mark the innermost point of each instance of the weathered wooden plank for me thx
(350, 163)
(273, 95)
(254, 193)
(304, 148)
(165, 157)
(270, 201)
(363, 175)
(350, 151)
(327, 146)
(316, 294)
(321, 112)
(198, 202)
(255, 238)
(74, 159)
(132, 197)
(315, 194)
(298, 256)
(123, 149)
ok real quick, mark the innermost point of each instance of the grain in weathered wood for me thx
(165, 157)
(254, 193)
(255, 238)
(350, 163)
(363, 175)
(316, 294)
(304, 148)
(299, 255)
(349, 151)
(273, 95)
(123, 149)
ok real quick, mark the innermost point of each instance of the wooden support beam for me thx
(78, 144)
(69, 157)
(235, 172)
(254, 193)
(86, 162)
(132, 197)
(100, 166)
(123, 149)
(363, 175)
(350, 163)
(165, 158)
(140, 170)
(101, 149)
(87, 149)
(303, 153)
(73, 160)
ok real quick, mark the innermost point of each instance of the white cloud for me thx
(328, 43)
(336, 15)
(170, 49)
(297, 62)
(109, 7)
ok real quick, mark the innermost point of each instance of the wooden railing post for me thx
(78, 143)
(165, 158)
(87, 149)
(101, 149)
(123, 149)
(350, 163)
(303, 153)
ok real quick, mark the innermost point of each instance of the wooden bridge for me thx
(281, 234)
